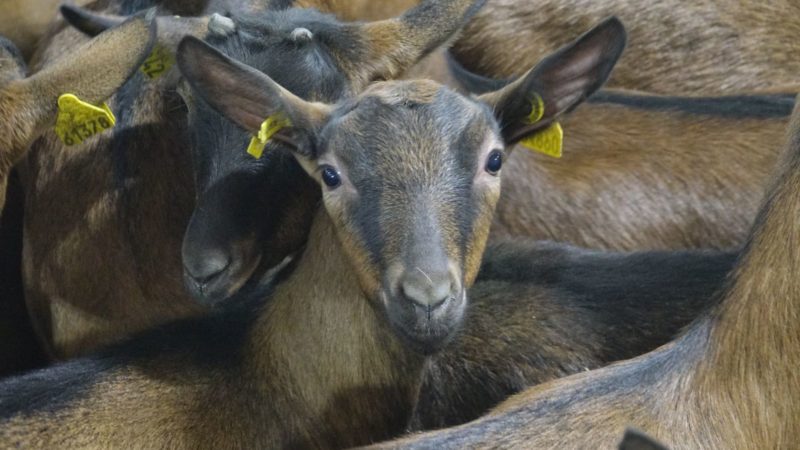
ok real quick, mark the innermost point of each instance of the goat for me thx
(408, 174)
(707, 47)
(539, 303)
(730, 381)
(382, 278)
(142, 185)
(644, 171)
(28, 105)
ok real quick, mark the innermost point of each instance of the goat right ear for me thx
(559, 83)
(246, 96)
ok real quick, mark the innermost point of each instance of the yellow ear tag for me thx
(78, 120)
(269, 127)
(548, 141)
(159, 61)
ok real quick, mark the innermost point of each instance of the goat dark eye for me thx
(331, 177)
(494, 162)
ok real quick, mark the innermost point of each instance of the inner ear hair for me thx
(562, 81)
(243, 94)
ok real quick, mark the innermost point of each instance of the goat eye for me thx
(494, 162)
(331, 177)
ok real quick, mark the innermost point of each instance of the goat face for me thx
(409, 174)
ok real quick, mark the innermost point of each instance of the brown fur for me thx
(359, 387)
(360, 9)
(676, 47)
(343, 379)
(633, 179)
(729, 382)
(24, 22)
(90, 279)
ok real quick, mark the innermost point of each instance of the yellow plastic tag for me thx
(78, 120)
(269, 127)
(537, 109)
(159, 61)
(548, 141)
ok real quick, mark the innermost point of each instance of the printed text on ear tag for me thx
(548, 141)
(78, 120)
(159, 61)
(269, 127)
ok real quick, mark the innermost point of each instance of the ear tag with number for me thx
(548, 141)
(269, 127)
(78, 120)
(159, 61)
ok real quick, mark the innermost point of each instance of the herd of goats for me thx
(279, 224)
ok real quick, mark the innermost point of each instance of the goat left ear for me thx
(247, 96)
(559, 83)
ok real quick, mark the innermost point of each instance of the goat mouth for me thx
(223, 285)
(422, 331)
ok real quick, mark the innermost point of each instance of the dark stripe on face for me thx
(731, 107)
(465, 150)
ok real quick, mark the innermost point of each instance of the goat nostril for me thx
(426, 293)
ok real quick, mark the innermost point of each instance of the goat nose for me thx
(206, 266)
(427, 289)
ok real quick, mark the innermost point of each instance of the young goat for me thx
(409, 178)
(677, 47)
(89, 279)
(729, 382)
(663, 172)
(528, 335)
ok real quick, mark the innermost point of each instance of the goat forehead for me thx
(409, 131)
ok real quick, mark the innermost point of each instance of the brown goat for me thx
(334, 357)
(729, 382)
(27, 107)
(123, 232)
(677, 47)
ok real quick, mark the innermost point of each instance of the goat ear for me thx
(171, 29)
(394, 45)
(246, 96)
(94, 70)
(562, 81)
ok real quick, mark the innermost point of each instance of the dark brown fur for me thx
(541, 311)
(729, 382)
(708, 46)
(316, 366)
(124, 235)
